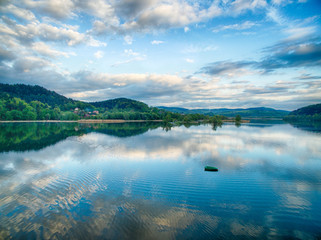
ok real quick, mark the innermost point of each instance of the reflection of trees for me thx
(35, 136)
(167, 126)
(124, 129)
(307, 126)
(215, 126)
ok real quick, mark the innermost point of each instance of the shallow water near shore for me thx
(145, 181)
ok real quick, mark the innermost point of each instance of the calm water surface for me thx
(138, 181)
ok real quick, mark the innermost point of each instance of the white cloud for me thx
(130, 52)
(128, 39)
(240, 6)
(274, 15)
(199, 48)
(124, 17)
(55, 8)
(156, 42)
(189, 60)
(238, 26)
(94, 43)
(30, 63)
(299, 32)
(99, 54)
(18, 12)
(35, 30)
(45, 50)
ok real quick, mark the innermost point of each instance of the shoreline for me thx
(79, 121)
(98, 121)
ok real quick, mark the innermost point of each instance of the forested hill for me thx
(25, 102)
(260, 112)
(122, 103)
(30, 93)
(308, 113)
(308, 110)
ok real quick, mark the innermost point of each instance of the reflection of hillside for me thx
(35, 136)
(307, 126)
(124, 129)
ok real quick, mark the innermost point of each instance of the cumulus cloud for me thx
(18, 12)
(46, 32)
(126, 16)
(150, 15)
(45, 50)
(28, 64)
(55, 8)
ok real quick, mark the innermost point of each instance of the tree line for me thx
(14, 108)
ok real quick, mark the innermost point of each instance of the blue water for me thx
(152, 184)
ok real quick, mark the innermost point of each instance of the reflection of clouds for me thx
(294, 201)
(65, 190)
(248, 230)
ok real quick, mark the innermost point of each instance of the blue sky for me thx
(194, 54)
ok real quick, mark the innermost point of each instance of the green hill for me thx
(30, 93)
(261, 112)
(308, 110)
(311, 113)
(25, 102)
(123, 104)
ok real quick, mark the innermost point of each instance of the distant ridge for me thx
(243, 112)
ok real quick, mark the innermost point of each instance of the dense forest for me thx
(25, 102)
(310, 113)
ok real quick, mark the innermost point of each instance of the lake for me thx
(147, 181)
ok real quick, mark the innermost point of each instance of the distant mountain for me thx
(175, 109)
(261, 112)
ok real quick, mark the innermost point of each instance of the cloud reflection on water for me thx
(82, 186)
